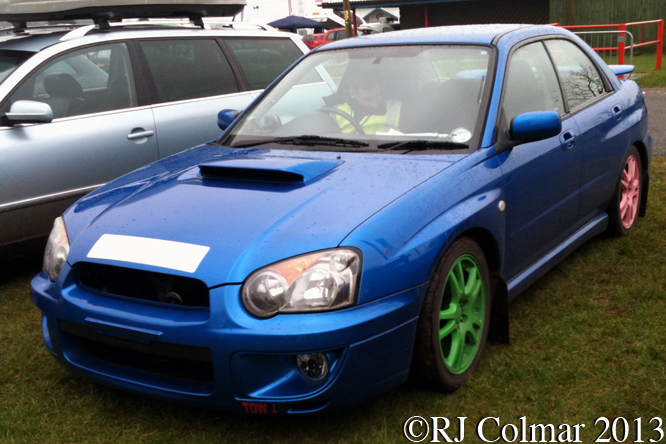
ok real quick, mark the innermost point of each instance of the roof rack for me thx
(207, 23)
(20, 28)
(19, 13)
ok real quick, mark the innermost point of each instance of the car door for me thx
(98, 133)
(192, 81)
(541, 179)
(598, 113)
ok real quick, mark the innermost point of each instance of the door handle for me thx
(568, 139)
(140, 135)
(616, 111)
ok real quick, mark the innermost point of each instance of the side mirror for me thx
(533, 126)
(29, 111)
(226, 117)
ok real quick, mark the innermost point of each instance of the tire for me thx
(626, 202)
(445, 363)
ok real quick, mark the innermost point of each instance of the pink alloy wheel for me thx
(631, 182)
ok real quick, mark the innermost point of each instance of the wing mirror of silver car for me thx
(29, 111)
(226, 117)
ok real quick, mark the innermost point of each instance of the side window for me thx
(331, 35)
(10, 60)
(263, 59)
(579, 76)
(531, 83)
(78, 83)
(188, 69)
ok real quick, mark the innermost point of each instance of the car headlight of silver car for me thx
(57, 249)
(321, 281)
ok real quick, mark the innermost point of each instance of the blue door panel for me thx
(604, 139)
(541, 185)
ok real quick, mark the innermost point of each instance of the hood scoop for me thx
(288, 170)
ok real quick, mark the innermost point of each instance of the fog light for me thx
(313, 365)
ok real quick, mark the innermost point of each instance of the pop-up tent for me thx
(294, 22)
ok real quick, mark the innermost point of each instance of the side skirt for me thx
(523, 280)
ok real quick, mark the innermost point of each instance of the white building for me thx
(265, 11)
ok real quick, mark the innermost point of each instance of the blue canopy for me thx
(293, 22)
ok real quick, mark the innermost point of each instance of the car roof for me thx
(478, 34)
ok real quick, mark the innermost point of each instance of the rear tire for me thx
(626, 202)
(455, 317)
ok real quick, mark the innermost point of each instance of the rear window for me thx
(263, 59)
(10, 60)
(310, 37)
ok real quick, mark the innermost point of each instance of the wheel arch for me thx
(499, 312)
(488, 244)
(645, 183)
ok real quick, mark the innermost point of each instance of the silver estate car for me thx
(80, 106)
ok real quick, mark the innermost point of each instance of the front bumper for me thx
(223, 357)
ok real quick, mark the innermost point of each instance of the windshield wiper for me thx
(306, 140)
(421, 144)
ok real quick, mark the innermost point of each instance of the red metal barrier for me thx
(642, 33)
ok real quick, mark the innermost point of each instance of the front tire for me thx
(624, 207)
(455, 317)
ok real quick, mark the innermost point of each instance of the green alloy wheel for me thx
(454, 320)
(462, 314)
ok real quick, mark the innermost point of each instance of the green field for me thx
(648, 76)
(588, 340)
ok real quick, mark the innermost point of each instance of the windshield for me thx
(397, 97)
(10, 60)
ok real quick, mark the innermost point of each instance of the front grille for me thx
(144, 285)
(161, 358)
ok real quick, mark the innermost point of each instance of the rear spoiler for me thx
(618, 70)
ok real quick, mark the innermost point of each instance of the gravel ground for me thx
(655, 99)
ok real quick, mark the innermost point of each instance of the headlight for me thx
(321, 281)
(57, 249)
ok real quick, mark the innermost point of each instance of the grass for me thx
(655, 79)
(649, 77)
(587, 341)
(643, 63)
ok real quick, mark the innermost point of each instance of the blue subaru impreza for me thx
(369, 216)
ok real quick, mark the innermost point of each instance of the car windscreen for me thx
(379, 96)
(10, 60)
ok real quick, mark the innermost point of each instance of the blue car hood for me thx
(277, 204)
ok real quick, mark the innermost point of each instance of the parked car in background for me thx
(370, 215)
(82, 105)
(313, 40)
(327, 37)
(373, 28)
